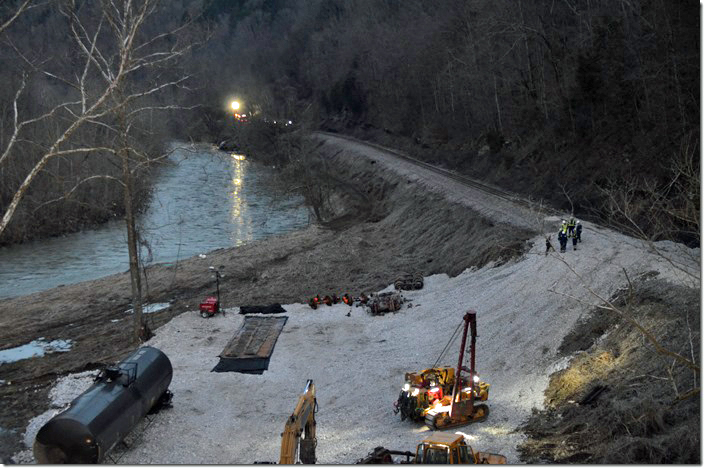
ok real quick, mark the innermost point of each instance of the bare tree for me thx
(650, 211)
(114, 47)
(14, 14)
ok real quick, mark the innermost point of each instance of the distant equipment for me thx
(105, 413)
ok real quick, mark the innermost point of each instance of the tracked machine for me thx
(438, 448)
(441, 396)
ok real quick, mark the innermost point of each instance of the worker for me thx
(313, 303)
(579, 231)
(548, 245)
(570, 226)
(562, 237)
(574, 240)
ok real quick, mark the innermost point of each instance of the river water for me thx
(206, 199)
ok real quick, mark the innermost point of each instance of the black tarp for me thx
(270, 309)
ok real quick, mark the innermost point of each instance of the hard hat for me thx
(577, 221)
(564, 222)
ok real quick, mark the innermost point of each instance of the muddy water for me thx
(204, 200)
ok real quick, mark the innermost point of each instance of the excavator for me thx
(298, 440)
(438, 448)
(440, 396)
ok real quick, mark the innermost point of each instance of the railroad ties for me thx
(250, 349)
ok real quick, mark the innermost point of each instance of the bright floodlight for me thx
(235, 105)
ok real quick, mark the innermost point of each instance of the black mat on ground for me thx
(250, 349)
(243, 366)
(270, 309)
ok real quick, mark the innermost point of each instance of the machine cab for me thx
(442, 449)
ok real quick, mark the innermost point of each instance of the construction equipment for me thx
(211, 305)
(409, 281)
(298, 437)
(440, 396)
(384, 302)
(423, 389)
(439, 448)
(461, 409)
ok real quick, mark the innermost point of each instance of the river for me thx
(203, 200)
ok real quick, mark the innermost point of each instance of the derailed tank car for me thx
(105, 413)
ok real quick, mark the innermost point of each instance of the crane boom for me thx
(299, 431)
(470, 322)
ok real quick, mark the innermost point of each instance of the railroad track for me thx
(468, 181)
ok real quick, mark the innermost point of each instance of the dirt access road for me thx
(401, 227)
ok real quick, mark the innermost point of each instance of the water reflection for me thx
(205, 200)
(240, 218)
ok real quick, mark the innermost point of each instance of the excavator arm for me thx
(299, 431)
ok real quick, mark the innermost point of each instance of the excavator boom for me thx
(299, 431)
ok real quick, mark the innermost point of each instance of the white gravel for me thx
(357, 362)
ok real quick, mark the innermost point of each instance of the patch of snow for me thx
(151, 308)
(36, 348)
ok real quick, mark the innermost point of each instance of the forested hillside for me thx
(574, 102)
(592, 105)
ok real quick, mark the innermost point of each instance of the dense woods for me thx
(575, 102)
(592, 105)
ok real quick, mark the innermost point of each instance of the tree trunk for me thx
(140, 333)
(498, 107)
